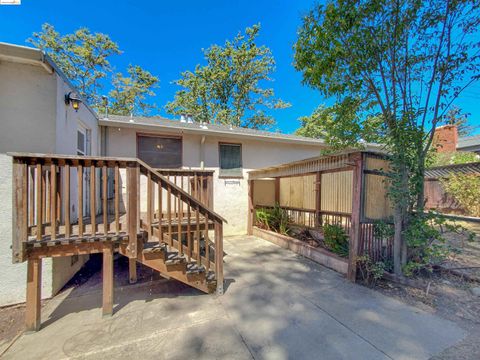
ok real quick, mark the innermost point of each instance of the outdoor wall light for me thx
(72, 98)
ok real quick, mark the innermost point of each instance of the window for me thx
(81, 145)
(160, 151)
(230, 160)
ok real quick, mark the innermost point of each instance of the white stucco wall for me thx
(230, 195)
(33, 118)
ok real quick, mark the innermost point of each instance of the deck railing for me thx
(311, 218)
(198, 183)
(60, 200)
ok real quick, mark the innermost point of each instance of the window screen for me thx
(80, 143)
(231, 160)
(160, 152)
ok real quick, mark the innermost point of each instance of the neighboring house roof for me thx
(440, 171)
(33, 56)
(206, 129)
(469, 143)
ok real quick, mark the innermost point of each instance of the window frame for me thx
(224, 176)
(161, 135)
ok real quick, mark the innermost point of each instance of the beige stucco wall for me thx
(230, 195)
(33, 118)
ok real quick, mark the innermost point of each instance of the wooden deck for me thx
(179, 235)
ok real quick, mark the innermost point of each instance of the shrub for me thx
(465, 189)
(371, 271)
(427, 245)
(275, 219)
(335, 239)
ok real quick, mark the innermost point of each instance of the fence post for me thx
(132, 207)
(355, 229)
(20, 210)
(251, 208)
(219, 256)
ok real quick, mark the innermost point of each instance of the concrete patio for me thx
(277, 305)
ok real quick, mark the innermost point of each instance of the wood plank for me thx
(19, 215)
(31, 195)
(189, 232)
(355, 229)
(53, 201)
(93, 198)
(66, 201)
(132, 270)
(318, 199)
(33, 299)
(169, 213)
(251, 208)
(160, 209)
(207, 244)
(149, 205)
(132, 210)
(107, 274)
(80, 199)
(39, 201)
(219, 256)
(117, 198)
(197, 233)
(105, 198)
(179, 227)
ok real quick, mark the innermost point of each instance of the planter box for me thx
(319, 255)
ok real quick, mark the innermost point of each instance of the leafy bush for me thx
(335, 239)
(274, 219)
(465, 189)
(451, 158)
(371, 271)
(427, 245)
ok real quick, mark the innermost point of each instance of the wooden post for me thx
(107, 306)
(251, 208)
(132, 220)
(277, 191)
(34, 286)
(219, 256)
(318, 200)
(132, 270)
(210, 191)
(19, 216)
(356, 214)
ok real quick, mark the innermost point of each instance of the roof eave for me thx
(139, 125)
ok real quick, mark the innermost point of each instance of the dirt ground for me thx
(449, 295)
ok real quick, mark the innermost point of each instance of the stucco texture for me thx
(34, 118)
(230, 194)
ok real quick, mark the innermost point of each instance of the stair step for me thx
(174, 258)
(194, 268)
(154, 250)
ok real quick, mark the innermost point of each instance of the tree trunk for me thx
(398, 240)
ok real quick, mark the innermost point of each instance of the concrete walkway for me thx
(276, 306)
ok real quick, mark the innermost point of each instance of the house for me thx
(229, 151)
(39, 114)
(447, 140)
(469, 143)
(35, 118)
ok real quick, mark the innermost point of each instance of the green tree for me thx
(227, 90)
(328, 123)
(83, 57)
(465, 188)
(405, 61)
(454, 116)
(129, 92)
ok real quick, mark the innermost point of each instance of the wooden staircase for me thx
(178, 234)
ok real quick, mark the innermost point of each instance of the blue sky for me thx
(166, 38)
